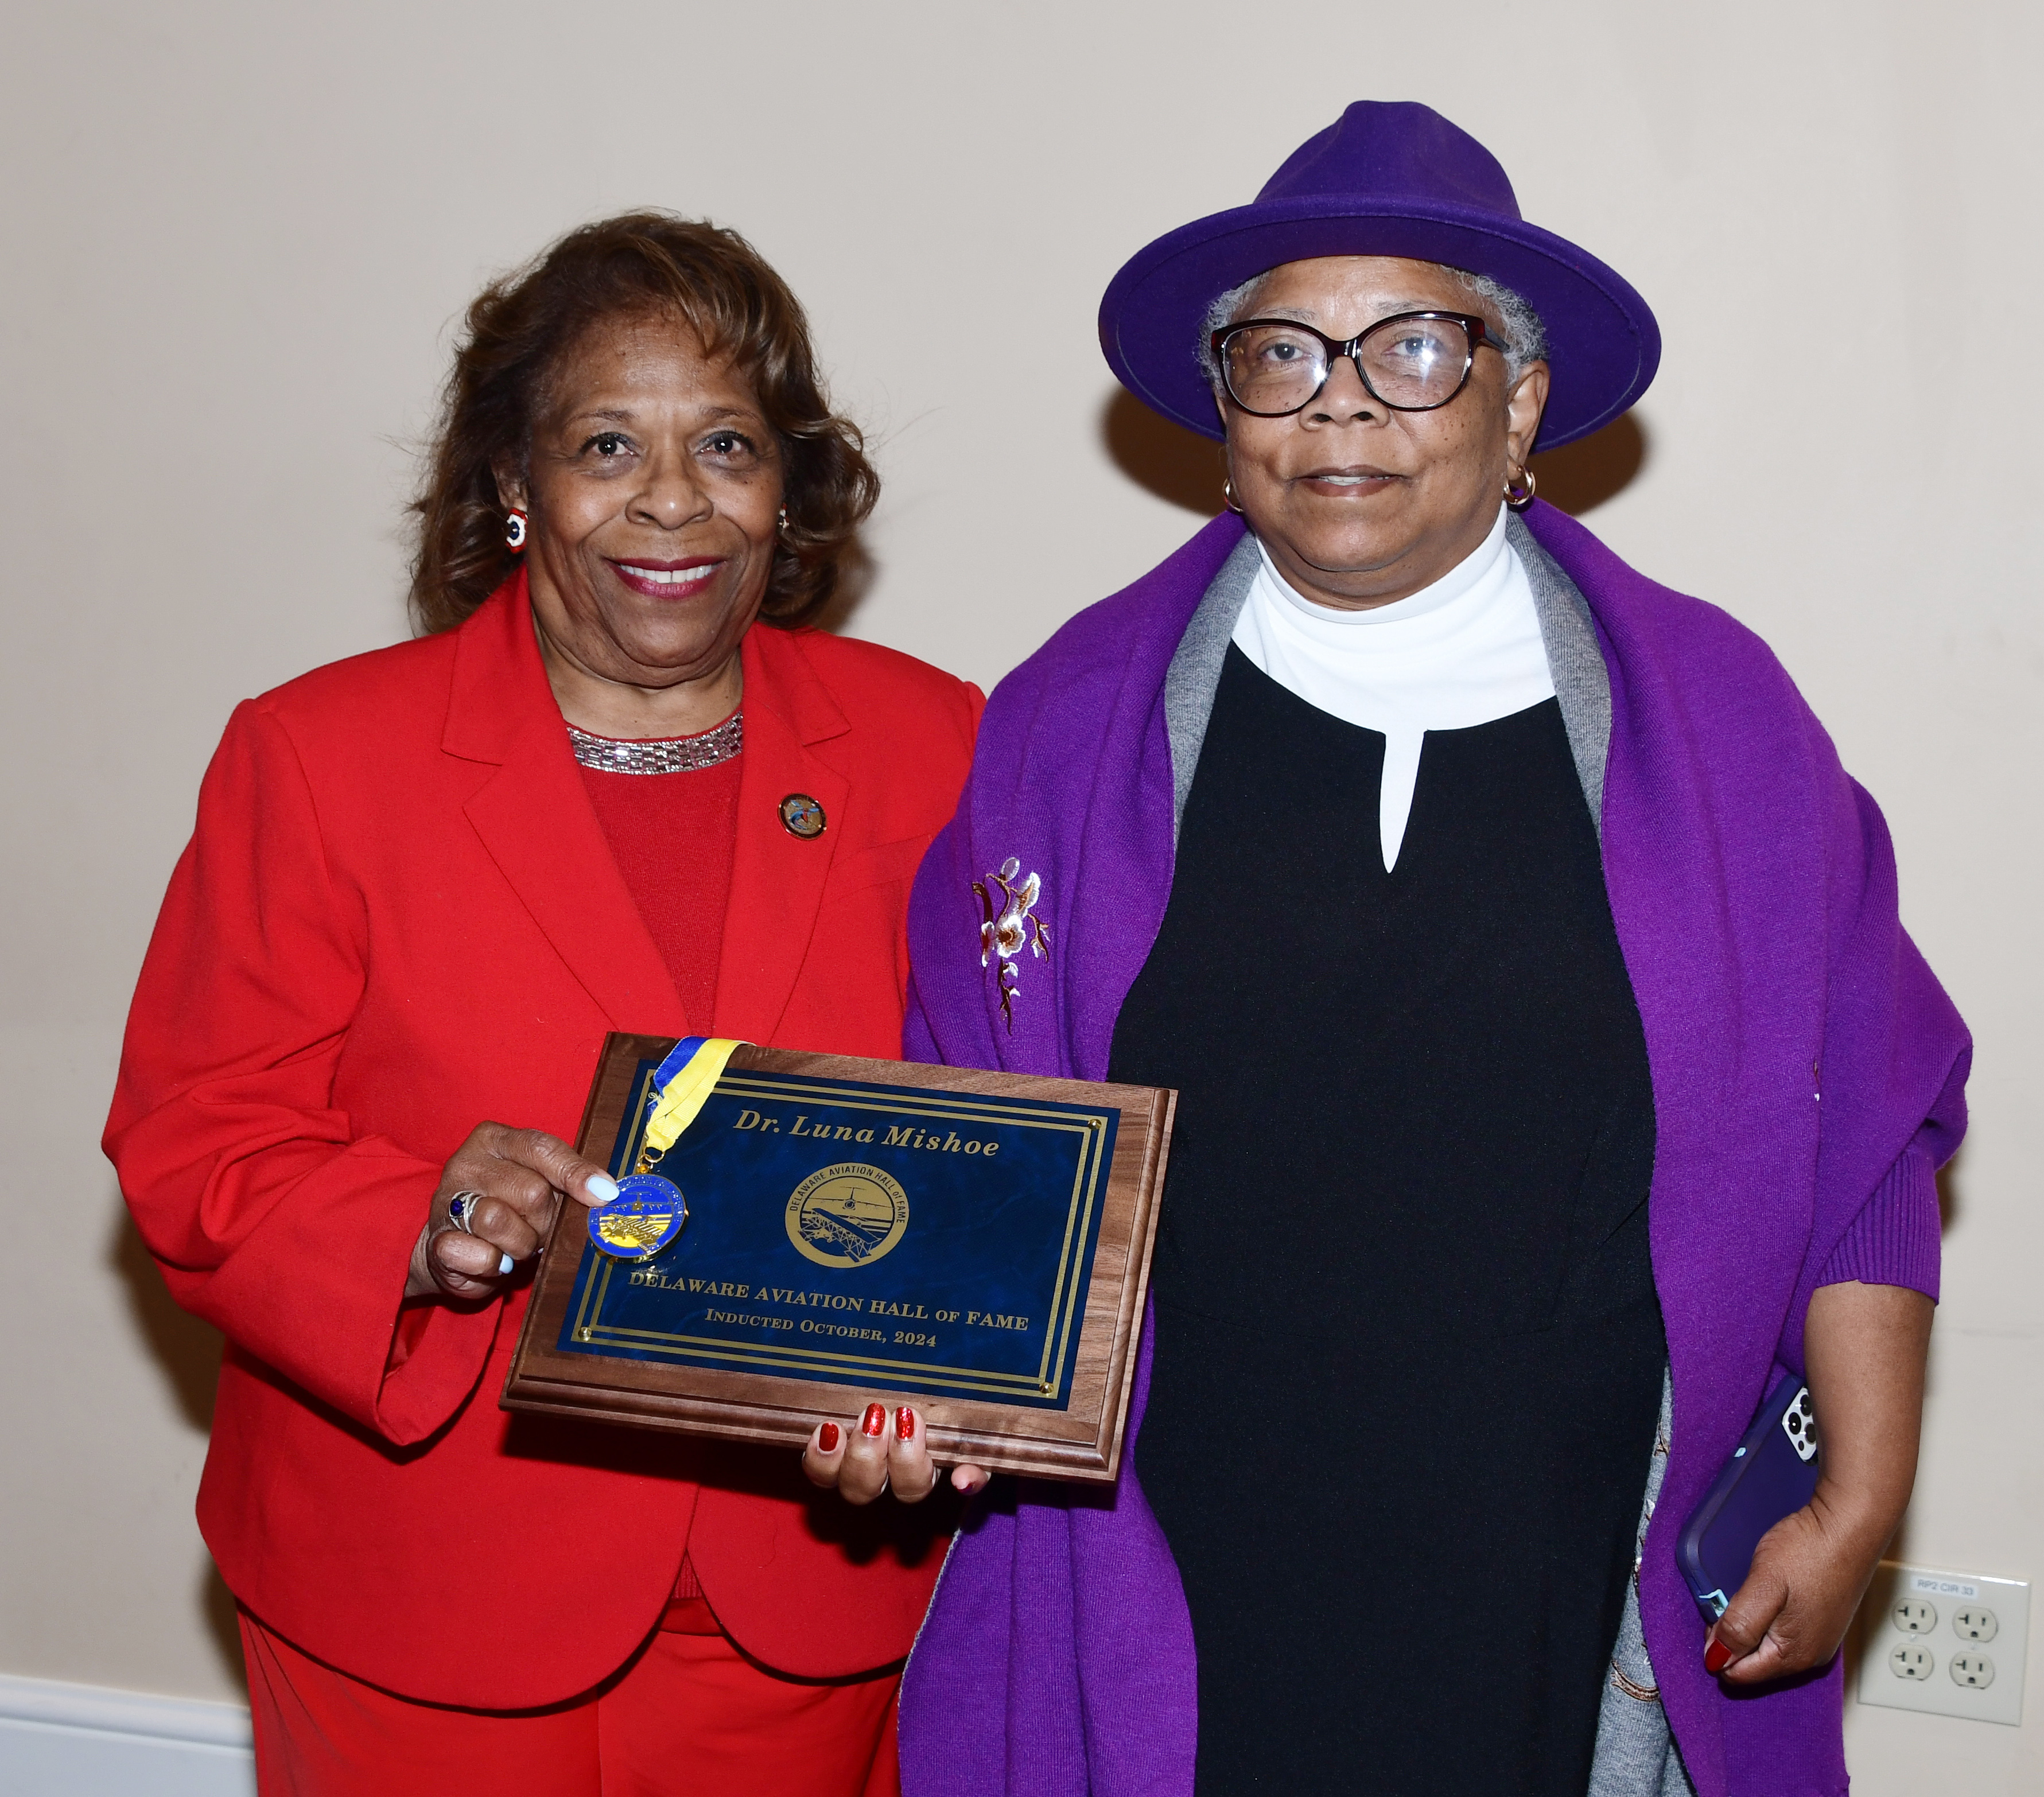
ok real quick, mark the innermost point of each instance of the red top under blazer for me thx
(398, 917)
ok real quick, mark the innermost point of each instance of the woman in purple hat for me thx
(1556, 1076)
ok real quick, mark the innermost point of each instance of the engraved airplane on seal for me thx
(832, 1219)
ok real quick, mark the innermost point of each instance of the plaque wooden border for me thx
(1080, 1443)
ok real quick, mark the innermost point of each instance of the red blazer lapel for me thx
(534, 817)
(776, 878)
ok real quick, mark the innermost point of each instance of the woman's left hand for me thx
(1809, 1573)
(1864, 1346)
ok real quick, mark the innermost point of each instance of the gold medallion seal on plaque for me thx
(847, 1215)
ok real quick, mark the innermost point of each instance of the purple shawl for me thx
(1752, 887)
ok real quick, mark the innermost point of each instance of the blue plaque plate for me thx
(839, 1233)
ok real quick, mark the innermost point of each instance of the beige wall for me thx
(237, 236)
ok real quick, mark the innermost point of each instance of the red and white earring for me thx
(514, 530)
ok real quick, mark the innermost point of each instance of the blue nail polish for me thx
(602, 1187)
(503, 1264)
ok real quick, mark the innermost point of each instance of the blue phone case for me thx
(1772, 1474)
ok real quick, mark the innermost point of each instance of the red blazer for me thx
(398, 917)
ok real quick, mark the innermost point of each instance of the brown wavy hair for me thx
(520, 328)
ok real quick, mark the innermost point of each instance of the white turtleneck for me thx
(1463, 651)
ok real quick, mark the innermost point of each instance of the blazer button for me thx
(801, 815)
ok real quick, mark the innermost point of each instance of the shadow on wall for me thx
(223, 1622)
(1580, 477)
(1162, 458)
(186, 1353)
(855, 578)
(1187, 470)
(1950, 1186)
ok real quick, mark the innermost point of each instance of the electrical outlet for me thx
(1924, 1647)
(1972, 1670)
(1974, 1623)
(1914, 1617)
(1913, 1660)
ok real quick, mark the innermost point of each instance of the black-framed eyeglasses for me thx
(1411, 361)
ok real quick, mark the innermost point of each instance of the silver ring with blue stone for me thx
(461, 1210)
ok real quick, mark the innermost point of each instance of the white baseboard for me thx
(58, 1739)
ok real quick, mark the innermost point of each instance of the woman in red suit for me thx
(614, 786)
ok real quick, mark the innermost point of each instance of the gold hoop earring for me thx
(1520, 498)
(1228, 494)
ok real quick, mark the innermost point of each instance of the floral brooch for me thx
(1007, 931)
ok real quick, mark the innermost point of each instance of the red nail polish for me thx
(1716, 1658)
(904, 1424)
(875, 1422)
(826, 1439)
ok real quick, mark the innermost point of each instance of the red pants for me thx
(690, 1717)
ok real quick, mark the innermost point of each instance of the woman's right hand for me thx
(520, 1174)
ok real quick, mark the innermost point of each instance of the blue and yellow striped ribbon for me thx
(685, 1079)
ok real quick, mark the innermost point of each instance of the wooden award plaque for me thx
(976, 1244)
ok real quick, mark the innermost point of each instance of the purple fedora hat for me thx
(1388, 177)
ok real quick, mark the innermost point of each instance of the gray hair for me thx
(1522, 337)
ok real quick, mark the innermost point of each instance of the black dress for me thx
(1409, 1352)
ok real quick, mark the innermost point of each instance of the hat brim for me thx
(1602, 344)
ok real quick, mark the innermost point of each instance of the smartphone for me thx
(1771, 1474)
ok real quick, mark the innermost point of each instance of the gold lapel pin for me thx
(801, 815)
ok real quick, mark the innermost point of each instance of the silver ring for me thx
(461, 1210)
